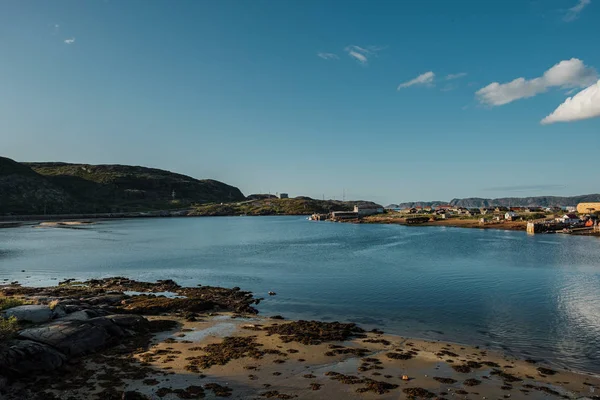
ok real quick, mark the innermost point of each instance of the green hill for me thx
(58, 188)
(270, 206)
(23, 191)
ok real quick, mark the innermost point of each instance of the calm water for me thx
(537, 295)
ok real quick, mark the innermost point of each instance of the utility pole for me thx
(344, 195)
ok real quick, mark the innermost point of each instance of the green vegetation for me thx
(60, 188)
(10, 302)
(8, 328)
(296, 206)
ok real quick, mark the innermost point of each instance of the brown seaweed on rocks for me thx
(231, 348)
(399, 356)
(315, 332)
(418, 393)
(447, 381)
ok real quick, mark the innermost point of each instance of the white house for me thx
(510, 216)
(568, 219)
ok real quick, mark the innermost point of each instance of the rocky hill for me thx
(476, 202)
(58, 188)
(539, 201)
(23, 191)
(270, 206)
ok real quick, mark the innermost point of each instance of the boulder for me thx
(80, 336)
(24, 356)
(29, 313)
(80, 315)
(70, 337)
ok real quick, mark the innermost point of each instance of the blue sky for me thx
(389, 101)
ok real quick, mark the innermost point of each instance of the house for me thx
(411, 210)
(570, 209)
(367, 209)
(462, 211)
(568, 219)
(500, 209)
(283, 196)
(444, 214)
(473, 212)
(486, 211)
(443, 207)
(511, 216)
(338, 215)
(517, 209)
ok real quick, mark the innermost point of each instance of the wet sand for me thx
(178, 365)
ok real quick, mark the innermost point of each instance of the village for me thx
(582, 219)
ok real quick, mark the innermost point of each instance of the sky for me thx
(388, 101)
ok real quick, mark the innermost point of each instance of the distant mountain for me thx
(539, 201)
(417, 204)
(476, 202)
(59, 188)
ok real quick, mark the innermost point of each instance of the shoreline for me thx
(212, 340)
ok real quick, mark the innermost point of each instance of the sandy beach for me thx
(264, 365)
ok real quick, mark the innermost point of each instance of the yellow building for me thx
(586, 208)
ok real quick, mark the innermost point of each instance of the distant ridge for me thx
(476, 202)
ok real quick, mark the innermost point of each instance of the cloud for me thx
(566, 74)
(70, 41)
(362, 54)
(423, 79)
(450, 77)
(328, 56)
(573, 12)
(584, 105)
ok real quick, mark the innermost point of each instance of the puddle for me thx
(219, 330)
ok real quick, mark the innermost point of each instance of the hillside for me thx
(476, 202)
(23, 191)
(58, 188)
(295, 206)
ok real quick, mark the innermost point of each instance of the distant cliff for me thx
(59, 188)
(476, 202)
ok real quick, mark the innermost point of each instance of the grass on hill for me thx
(295, 206)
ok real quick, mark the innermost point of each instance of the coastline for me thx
(212, 343)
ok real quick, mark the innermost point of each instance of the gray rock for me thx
(106, 299)
(70, 337)
(29, 313)
(58, 311)
(24, 356)
(81, 315)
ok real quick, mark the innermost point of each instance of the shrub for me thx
(8, 328)
(9, 302)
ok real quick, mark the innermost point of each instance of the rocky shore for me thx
(118, 338)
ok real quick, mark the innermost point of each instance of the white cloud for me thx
(328, 56)
(423, 79)
(573, 12)
(566, 74)
(362, 54)
(450, 77)
(584, 105)
(70, 41)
